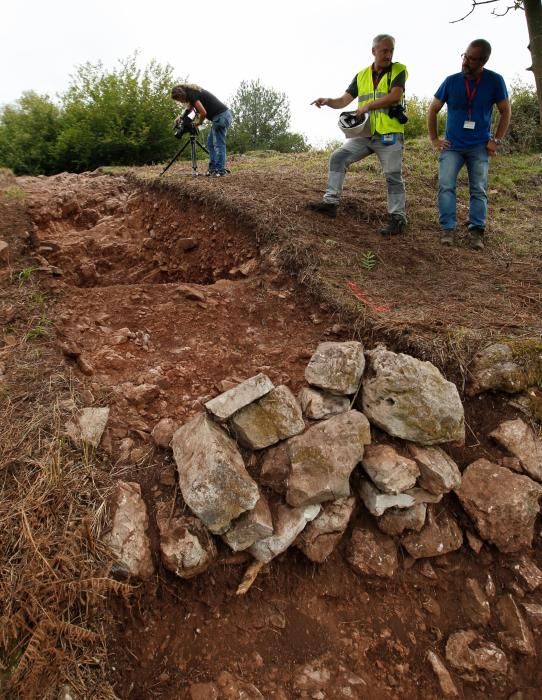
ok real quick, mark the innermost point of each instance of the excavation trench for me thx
(159, 295)
(160, 303)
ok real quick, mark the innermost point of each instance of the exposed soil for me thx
(201, 305)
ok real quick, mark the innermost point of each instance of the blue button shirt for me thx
(491, 89)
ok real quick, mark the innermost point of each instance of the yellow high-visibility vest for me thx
(381, 122)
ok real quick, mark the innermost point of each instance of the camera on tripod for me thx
(398, 112)
(184, 126)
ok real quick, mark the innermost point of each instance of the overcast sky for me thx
(306, 49)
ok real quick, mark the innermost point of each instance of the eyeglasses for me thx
(471, 59)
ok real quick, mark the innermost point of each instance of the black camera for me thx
(184, 126)
(398, 112)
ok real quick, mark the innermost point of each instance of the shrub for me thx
(525, 129)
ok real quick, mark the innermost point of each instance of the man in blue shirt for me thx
(469, 96)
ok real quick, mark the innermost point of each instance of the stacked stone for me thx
(307, 449)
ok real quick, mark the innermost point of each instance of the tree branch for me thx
(518, 5)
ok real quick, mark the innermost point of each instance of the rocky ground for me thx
(161, 306)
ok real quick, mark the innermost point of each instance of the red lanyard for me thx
(471, 94)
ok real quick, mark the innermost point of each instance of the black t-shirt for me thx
(213, 106)
(398, 81)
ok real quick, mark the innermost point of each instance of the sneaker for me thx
(447, 237)
(475, 240)
(326, 208)
(396, 224)
(210, 173)
(221, 173)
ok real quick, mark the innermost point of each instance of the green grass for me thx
(13, 194)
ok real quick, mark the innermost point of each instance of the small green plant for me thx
(40, 330)
(39, 299)
(368, 261)
(25, 274)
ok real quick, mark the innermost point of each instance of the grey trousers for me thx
(391, 159)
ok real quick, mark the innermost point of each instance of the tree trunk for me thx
(533, 13)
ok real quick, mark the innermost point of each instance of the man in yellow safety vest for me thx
(379, 89)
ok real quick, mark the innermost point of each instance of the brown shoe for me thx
(326, 208)
(396, 224)
(476, 238)
(447, 237)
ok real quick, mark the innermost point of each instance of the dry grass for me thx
(53, 569)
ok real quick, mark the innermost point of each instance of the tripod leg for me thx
(174, 158)
(202, 147)
(194, 157)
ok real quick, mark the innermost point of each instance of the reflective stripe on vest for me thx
(381, 122)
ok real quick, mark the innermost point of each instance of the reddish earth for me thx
(199, 312)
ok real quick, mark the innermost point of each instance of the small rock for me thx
(519, 439)
(502, 504)
(317, 404)
(4, 252)
(467, 651)
(336, 367)
(534, 612)
(129, 538)
(372, 553)
(253, 525)
(526, 570)
(275, 468)
(440, 535)
(289, 523)
(224, 406)
(186, 547)
(88, 426)
(163, 431)
(320, 537)
(388, 470)
(517, 637)
(313, 676)
(276, 416)
(377, 502)
(438, 471)
(445, 680)
(396, 520)
(475, 603)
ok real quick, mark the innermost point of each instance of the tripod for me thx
(193, 140)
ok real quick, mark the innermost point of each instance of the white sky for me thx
(305, 49)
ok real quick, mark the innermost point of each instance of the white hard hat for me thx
(353, 125)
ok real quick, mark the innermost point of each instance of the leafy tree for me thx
(417, 118)
(533, 15)
(29, 130)
(121, 117)
(261, 121)
(524, 133)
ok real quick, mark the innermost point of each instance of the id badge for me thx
(468, 124)
(388, 139)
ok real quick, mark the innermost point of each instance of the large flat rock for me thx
(212, 476)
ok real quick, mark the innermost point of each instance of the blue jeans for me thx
(216, 141)
(450, 163)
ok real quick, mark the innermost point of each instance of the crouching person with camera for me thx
(207, 106)
(379, 89)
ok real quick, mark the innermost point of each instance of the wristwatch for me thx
(497, 141)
